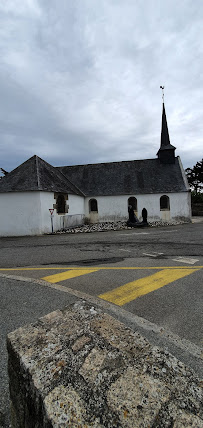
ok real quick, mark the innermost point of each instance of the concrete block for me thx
(80, 367)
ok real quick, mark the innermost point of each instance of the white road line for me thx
(124, 234)
(186, 260)
(152, 254)
(140, 233)
(134, 233)
(122, 249)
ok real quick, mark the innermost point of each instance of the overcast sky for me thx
(80, 79)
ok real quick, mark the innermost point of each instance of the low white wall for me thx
(76, 205)
(20, 213)
(115, 208)
(75, 215)
(72, 220)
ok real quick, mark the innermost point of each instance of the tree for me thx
(195, 177)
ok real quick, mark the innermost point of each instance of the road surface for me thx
(151, 279)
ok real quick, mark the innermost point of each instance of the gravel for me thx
(120, 225)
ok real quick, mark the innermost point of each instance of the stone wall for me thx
(80, 367)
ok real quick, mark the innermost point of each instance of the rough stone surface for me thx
(80, 367)
(149, 395)
(65, 408)
(119, 225)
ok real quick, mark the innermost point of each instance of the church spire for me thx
(165, 140)
(166, 153)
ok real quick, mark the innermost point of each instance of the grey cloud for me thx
(80, 82)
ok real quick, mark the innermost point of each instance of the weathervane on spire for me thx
(162, 87)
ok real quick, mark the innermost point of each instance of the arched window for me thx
(133, 202)
(61, 203)
(93, 205)
(164, 203)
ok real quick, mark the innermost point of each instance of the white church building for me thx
(94, 192)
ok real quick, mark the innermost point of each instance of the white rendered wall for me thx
(76, 211)
(180, 206)
(114, 208)
(27, 213)
(76, 205)
(47, 202)
(74, 216)
(110, 208)
(20, 214)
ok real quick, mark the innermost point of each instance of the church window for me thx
(93, 206)
(61, 204)
(164, 203)
(133, 202)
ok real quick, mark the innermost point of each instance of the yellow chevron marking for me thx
(130, 291)
(68, 275)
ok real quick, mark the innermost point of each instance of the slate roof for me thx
(127, 177)
(103, 179)
(36, 174)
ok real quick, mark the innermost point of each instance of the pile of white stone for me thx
(165, 223)
(97, 227)
(119, 225)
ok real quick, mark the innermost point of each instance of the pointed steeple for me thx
(166, 153)
(165, 140)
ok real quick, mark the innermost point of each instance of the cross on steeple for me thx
(162, 87)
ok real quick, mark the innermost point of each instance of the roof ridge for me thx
(183, 173)
(68, 179)
(37, 171)
(56, 171)
(104, 163)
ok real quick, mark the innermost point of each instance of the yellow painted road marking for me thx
(102, 268)
(130, 291)
(125, 293)
(68, 275)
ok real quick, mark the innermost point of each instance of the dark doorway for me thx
(93, 205)
(61, 203)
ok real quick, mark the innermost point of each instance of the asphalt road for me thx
(170, 315)
(105, 247)
(177, 305)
